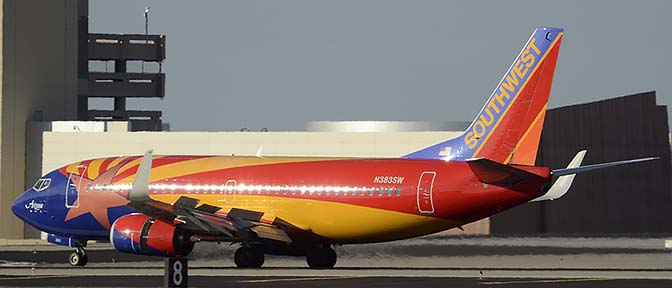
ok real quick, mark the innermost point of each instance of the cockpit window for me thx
(42, 184)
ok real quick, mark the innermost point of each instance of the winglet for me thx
(561, 186)
(140, 189)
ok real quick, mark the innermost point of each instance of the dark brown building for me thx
(628, 199)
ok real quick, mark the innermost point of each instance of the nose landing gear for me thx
(78, 258)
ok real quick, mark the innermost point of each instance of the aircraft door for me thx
(230, 191)
(425, 197)
(71, 193)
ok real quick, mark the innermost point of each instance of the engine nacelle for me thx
(140, 234)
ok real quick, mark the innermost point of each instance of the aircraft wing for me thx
(202, 220)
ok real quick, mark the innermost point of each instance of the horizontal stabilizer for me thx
(566, 175)
(491, 172)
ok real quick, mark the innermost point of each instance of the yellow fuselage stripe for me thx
(209, 164)
(341, 222)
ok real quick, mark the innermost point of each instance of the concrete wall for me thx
(39, 82)
(61, 148)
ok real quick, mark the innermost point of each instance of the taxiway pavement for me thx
(426, 262)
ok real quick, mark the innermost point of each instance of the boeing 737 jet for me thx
(301, 206)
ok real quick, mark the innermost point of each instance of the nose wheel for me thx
(78, 258)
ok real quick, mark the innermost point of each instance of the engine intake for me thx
(141, 234)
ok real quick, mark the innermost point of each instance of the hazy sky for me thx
(280, 64)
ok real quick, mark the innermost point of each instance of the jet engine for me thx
(139, 234)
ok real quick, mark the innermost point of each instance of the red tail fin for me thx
(508, 128)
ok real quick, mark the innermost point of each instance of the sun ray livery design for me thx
(303, 206)
(91, 201)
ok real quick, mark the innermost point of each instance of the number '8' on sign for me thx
(175, 273)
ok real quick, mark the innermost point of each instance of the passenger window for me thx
(362, 191)
(388, 191)
(380, 191)
(398, 191)
(370, 191)
(88, 187)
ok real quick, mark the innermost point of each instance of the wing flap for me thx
(271, 232)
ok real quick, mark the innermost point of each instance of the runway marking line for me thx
(544, 281)
(299, 279)
(34, 277)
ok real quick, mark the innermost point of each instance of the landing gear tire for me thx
(321, 258)
(247, 257)
(78, 258)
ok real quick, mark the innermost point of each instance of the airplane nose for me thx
(28, 207)
(18, 206)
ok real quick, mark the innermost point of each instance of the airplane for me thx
(304, 206)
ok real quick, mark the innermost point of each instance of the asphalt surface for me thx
(351, 282)
(423, 262)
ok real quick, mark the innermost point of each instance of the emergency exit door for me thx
(425, 195)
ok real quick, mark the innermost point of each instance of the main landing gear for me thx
(248, 257)
(321, 257)
(78, 258)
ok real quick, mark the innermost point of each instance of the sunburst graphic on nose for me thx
(95, 202)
